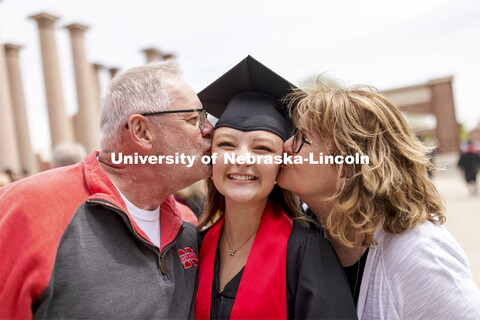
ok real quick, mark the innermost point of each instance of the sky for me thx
(386, 44)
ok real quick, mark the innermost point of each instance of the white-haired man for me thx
(106, 240)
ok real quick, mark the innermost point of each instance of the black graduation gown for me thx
(317, 287)
(470, 163)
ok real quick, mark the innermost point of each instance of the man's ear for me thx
(140, 131)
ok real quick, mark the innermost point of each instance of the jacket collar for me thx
(101, 188)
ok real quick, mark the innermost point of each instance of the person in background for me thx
(257, 259)
(193, 197)
(105, 239)
(65, 154)
(4, 179)
(469, 163)
(383, 217)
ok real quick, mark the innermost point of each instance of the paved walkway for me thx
(463, 215)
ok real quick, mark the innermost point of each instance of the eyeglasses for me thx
(299, 140)
(203, 115)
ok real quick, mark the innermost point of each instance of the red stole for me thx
(262, 293)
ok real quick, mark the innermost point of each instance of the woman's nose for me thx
(245, 159)
(288, 146)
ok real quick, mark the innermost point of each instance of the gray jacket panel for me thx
(105, 270)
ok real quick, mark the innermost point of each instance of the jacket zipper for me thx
(163, 265)
(124, 215)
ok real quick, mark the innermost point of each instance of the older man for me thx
(104, 240)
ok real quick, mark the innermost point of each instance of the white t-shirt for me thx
(419, 274)
(148, 221)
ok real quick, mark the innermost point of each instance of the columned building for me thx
(434, 100)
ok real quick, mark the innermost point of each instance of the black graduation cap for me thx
(250, 97)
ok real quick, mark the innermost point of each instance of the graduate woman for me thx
(256, 260)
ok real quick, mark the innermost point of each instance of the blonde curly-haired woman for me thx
(383, 217)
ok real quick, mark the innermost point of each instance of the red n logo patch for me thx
(188, 257)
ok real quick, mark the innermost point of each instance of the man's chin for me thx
(199, 172)
(205, 171)
(207, 152)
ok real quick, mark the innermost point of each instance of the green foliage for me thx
(463, 133)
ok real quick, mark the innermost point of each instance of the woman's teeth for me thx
(239, 177)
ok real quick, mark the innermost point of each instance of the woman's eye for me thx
(263, 148)
(225, 145)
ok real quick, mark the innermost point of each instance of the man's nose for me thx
(207, 128)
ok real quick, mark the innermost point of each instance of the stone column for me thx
(113, 72)
(27, 158)
(61, 129)
(153, 54)
(88, 121)
(76, 126)
(97, 87)
(9, 158)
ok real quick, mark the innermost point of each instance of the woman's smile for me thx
(242, 177)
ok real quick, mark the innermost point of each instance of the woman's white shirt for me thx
(419, 274)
